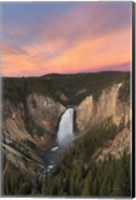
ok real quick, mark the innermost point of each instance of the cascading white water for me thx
(65, 133)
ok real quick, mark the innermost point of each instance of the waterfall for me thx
(65, 133)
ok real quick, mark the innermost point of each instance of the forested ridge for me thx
(54, 85)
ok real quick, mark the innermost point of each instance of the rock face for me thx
(115, 148)
(45, 112)
(18, 144)
(22, 146)
(90, 113)
(85, 114)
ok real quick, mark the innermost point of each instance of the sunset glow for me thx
(65, 37)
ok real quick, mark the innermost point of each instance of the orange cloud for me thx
(65, 39)
(14, 61)
(113, 49)
(62, 57)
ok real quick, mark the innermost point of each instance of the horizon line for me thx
(77, 73)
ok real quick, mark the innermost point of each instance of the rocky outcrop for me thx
(18, 144)
(22, 146)
(115, 148)
(85, 114)
(45, 112)
(90, 113)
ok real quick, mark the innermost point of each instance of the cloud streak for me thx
(66, 38)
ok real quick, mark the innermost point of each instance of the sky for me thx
(65, 37)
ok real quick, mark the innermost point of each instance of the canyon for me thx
(36, 121)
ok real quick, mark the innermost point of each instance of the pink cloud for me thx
(78, 41)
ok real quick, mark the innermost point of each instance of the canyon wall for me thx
(90, 113)
(31, 127)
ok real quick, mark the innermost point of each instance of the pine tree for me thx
(86, 190)
(72, 186)
(95, 188)
(104, 187)
(119, 181)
